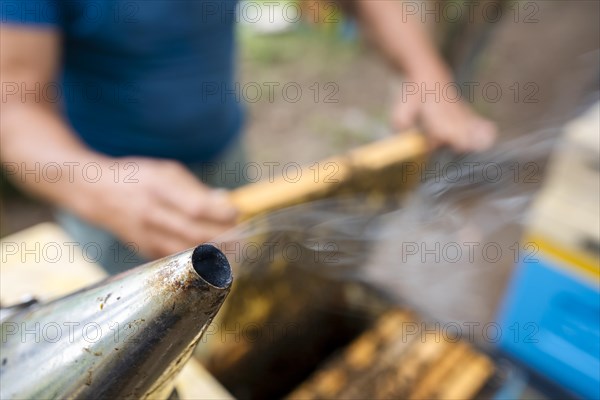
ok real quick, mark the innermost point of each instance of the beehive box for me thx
(286, 317)
(553, 304)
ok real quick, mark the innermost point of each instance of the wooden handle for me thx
(330, 173)
(464, 383)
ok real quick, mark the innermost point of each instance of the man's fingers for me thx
(159, 245)
(187, 230)
(210, 205)
(405, 113)
(434, 143)
(477, 134)
(482, 134)
(184, 192)
(219, 206)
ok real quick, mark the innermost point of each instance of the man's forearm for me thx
(42, 155)
(402, 39)
(39, 149)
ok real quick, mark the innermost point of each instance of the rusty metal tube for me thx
(126, 337)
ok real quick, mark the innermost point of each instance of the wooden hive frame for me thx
(428, 369)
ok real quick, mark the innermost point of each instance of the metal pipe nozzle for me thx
(125, 337)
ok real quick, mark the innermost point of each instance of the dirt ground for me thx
(347, 89)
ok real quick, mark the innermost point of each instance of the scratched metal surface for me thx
(125, 337)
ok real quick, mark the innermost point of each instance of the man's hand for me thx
(404, 41)
(445, 122)
(162, 208)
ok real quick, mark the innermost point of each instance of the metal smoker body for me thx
(126, 337)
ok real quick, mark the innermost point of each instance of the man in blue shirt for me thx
(111, 97)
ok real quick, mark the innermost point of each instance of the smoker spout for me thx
(126, 337)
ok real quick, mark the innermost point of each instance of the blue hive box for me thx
(551, 321)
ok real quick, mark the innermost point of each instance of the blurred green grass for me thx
(308, 43)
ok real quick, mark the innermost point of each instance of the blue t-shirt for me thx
(143, 77)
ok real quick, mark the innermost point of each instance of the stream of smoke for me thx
(447, 250)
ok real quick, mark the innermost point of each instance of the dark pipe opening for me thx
(212, 265)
